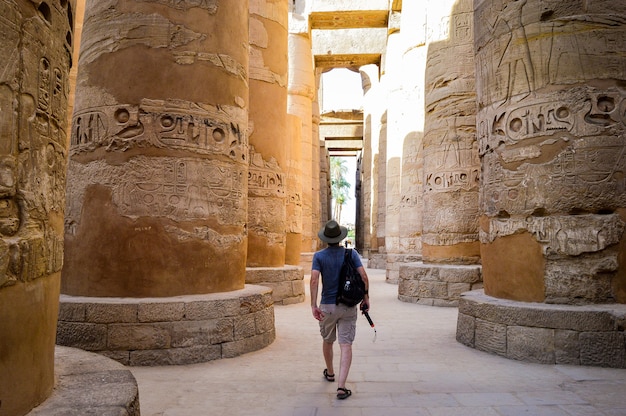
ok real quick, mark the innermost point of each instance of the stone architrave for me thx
(551, 126)
(268, 133)
(157, 178)
(451, 165)
(294, 191)
(301, 92)
(36, 51)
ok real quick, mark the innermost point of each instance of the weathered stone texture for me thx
(35, 59)
(548, 334)
(90, 384)
(490, 337)
(438, 284)
(550, 129)
(156, 185)
(172, 331)
(530, 344)
(287, 283)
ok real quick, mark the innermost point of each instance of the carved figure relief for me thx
(33, 97)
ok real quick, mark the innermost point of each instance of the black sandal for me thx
(343, 393)
(328, 377)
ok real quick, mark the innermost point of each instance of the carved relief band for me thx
(158, 176)
(35, 52)
(551, 129)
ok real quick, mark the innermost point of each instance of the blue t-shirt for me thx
(328, 262)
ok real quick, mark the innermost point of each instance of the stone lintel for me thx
(88, 383)
(349, 42)
(334, 14)
(342, 130)
(437, 284)
(169, 331)
(543, 333)
(287, 282)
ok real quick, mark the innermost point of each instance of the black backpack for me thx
(351, 286)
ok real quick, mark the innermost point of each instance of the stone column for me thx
(450, 249)
(551, 129)
(316, 168)
(267, 227)
(300, 103)
(294, 191)
(268, 133)
(404, 132)
(157, 178)
(36, 49)
(371, 163)
(157, 171)
(391, 81)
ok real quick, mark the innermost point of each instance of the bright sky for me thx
(342, 90)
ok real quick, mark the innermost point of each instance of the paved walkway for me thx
(413, 367)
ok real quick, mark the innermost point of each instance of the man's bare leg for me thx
(344, 364)
(327, 349)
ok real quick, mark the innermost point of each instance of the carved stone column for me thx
(157, 178)
(269, 145)
(392, 82)
(405, 122)
(551, 128)
(300, 103)
(36, 49)
(268, 133)
(371, 163)
(450, 248)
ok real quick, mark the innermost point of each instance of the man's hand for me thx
(317, 313)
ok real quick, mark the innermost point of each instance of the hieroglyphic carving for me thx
(170, 124)
(570, 235)
(294, 197)
(266, 219)
(265, 178)
(209, 5)
(181, 189)
(34, 91)
(572, 145)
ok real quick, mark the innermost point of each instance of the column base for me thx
(89, 384)
(377, 261)
(587, 335)
(169, 331)
(287, 282)
(437, 284)
(395, 261)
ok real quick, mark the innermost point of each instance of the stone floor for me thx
(413, 366)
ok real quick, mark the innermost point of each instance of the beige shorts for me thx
(339, 321)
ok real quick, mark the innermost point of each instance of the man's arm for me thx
(366, 298)
(315, 280)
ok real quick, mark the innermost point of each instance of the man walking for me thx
(336, 321)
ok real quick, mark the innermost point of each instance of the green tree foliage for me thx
(339, 186)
